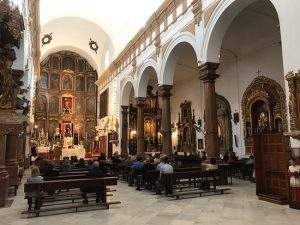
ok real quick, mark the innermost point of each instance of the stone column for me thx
(164, 92)
(140, 103)
(208, 76)
(4, 177)
(12, 167)
(124, 140)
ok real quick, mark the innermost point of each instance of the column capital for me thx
(208, 71)
(140, 101)
(124, 108)
(165, 90)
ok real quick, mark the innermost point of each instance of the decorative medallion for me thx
(46, 39)
(93, 45)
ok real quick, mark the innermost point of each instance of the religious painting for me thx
(67, 105)
(44, 81)
(41, 103)
(54, 81)
(55, 62)
(90, 84)
(79, 105)
(80, 84)
(53, 125)
(67, 82)
(81, 66)
(68, 63)
(91, 105)
(54, 105)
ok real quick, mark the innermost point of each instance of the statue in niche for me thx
(54, 81)
(67, 83)
(68, 131)
(67, 105)
(263, 121)
(57, 135)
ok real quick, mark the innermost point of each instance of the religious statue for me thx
(57, 135)
(263, 122)
(294, 174)
(68, 131)
(67, 105)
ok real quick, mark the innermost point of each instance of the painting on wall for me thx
(41, 103)
(91, 105)
(54, 105)
(44, 81)
(67, 82)
(80, 84)
(54, 81)
(67, 105)
(79, 105)
(91, 87)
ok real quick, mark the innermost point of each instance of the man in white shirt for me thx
(165, 167)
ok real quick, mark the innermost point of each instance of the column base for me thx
(4, 179)
(13, 171)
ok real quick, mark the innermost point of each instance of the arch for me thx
(127, 84)
(150, 66)
(225, 12)
(79, 51)
(170, 57)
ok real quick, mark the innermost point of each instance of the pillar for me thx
(4, 177)
(124, 140)
(20, 152)
(140, 103)
(208, 76)
(12, 167)
(164, 92)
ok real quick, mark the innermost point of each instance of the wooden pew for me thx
(40, 190)
(190, 183)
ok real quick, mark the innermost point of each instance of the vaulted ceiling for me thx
(111, 24)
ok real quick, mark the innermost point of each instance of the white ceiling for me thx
(111, 23)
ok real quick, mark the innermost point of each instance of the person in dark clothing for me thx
(148, 165)
(51, 172)
(95, 171)
(81, 164)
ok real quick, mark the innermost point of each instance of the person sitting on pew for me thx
(34, 178)
(81, 164)
(148, 165)
(137, 170)
(95, 171)
(65, 165)
(50, 171)
(166, 167)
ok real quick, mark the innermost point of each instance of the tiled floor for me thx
(241, 207)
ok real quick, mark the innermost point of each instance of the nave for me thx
(145, 208)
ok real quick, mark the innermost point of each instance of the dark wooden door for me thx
(271, 165)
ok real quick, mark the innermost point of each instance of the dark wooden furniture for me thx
(40, 190)
(271, 162)
(191, 183)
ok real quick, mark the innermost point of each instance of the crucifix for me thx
(258, 73)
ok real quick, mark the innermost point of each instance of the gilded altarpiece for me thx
(264, 110)
(66, 96)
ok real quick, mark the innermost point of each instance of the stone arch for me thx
(148, 68)
(170, 56)
(127, 85)
(225, 12)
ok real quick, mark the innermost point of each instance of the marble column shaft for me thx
(124, 140)
(140, 104)
(164, 92)
(208, 76)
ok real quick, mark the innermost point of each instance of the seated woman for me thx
(34, 178)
